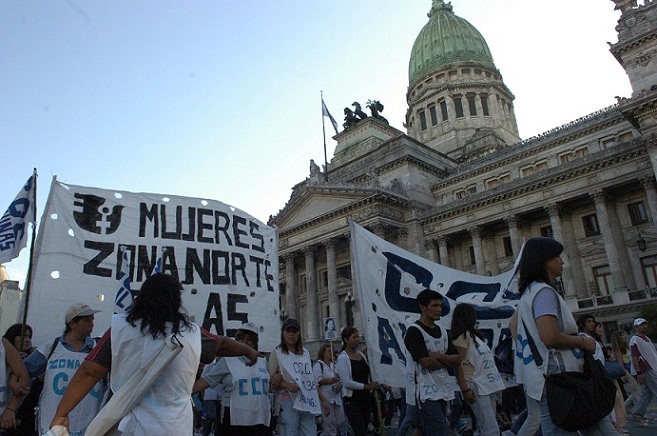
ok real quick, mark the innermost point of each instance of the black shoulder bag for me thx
(577, 400)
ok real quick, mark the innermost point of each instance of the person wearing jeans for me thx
(644, 361)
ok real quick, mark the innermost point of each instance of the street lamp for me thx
(349, 304)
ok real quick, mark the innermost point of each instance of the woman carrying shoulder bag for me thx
(545, 321)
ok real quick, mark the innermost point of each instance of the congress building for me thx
(461, 188)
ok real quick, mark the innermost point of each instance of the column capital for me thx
(442, 240)
(309, 250)
(512, 220)
(648, 182)
(475, 231)
(553, 209)
(289, 257)
(329, 243)
(599, 197)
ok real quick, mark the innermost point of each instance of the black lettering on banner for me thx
(221, 228)
(237, 231)
(238, 263)
(176, 234)
(193, 263)
(169, 265)
(191, 222)
(203, 226)
(257, 261)
(214, 303)
(219, 256)
(131, 250)
(388, 340)
(105, 249)
(270, 278)
(150, 215)
(393, 294)
(145, 263)
(253, 227)
(231, 311)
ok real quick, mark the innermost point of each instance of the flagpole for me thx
(321, 93)
(28, 279)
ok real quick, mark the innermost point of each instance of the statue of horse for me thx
(349, 118)
(375, 107)
(358, 111)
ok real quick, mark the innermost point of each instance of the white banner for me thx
(15, 221)
(226, 259)
(387, 280)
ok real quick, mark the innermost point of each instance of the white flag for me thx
(14, 223)
(123, 299)
(326, 113)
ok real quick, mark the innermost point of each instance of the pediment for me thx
(313, 203)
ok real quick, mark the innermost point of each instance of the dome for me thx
(445, 40)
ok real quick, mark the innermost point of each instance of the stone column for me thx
(332, 274)
(512, 221)
(651, 195)
(312, 316)
(379, 230)
(491, 251)
(617, 276)
(557, 230)
(432, 250)
(475, 232)
(291, 292)
(579, 284)
(442, 250)
(402, 238)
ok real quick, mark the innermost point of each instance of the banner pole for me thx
(28, 279)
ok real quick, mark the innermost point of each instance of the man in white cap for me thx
(644, 361)
(60, 358)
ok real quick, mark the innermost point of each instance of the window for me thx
(484, 104)
(591, 227)
(608, 142)
(526, 171)
(581, 152)
(637, 213)
(443, 109)
(463, 193)
(625, 137)
(508, 247)
(602, 277)
(473, 260)
(458, 106)
(434, 116)
(540, 166)
(505, 178)
(302, 284)
(492, 183)
(344, 272)
(423, 120)
(323, 274)
(649, 266)
(565, 157)
(471, 105)
(547, 232)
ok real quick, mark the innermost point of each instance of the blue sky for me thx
(221, 99)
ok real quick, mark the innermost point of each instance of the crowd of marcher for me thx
(76, 382)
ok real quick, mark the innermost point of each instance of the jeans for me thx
(432, 415)
(409, 419)
(335, 423)
(358, 413)
(293, 422)
(648, 392)
(533, 421)
(549, 428)
(484, 412)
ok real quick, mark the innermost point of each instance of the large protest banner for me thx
(226, 259)
(387, 280)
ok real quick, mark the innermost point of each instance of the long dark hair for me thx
(16, 330)
(158, 303)
(464, 319)
(535, 255)
(346, 334)
(616, 343)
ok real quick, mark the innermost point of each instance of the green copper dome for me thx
(446, 39)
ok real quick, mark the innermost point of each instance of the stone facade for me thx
(464, 191)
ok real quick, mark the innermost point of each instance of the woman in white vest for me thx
(292, 377)
(334, 423)
(245, 407)
(11, 363)
(480, 379)
(130, 342)
(544, 317)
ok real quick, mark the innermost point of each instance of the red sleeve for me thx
(102, 352)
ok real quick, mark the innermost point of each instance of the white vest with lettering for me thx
(485, 376)
(436, 384)
(59, 370)
(4, 398)
(166, 408)
(298, 369)
(526, 370)
(249, 399)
